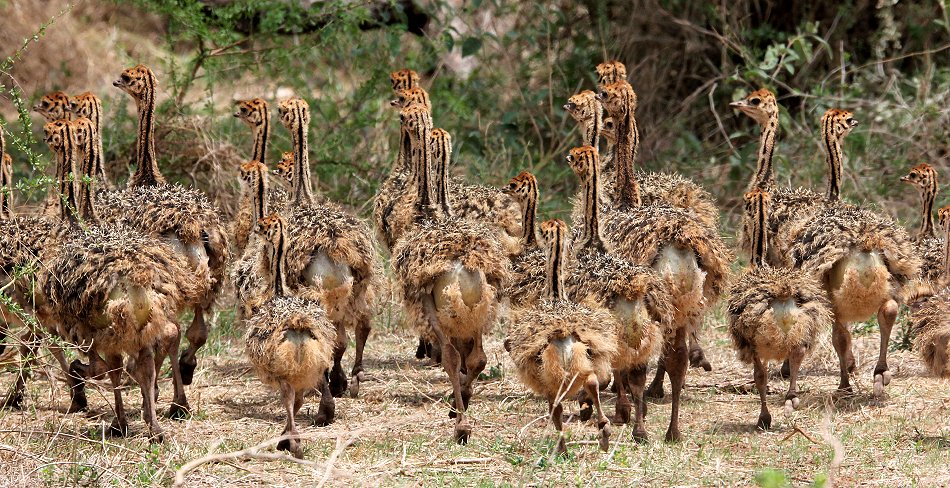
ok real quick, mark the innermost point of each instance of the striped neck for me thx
(529, 215)
(92, 159)
(94, 114)
(261, 137)
(594, 126)
(927, 197)
(147, 172)
(833, 157)
(626, 188)
(259, 193)
(590, 237)
(302, 189)
(759, 230)
(554, 266)
(405, 152)
(420, 136)
(278, 264)
(764, 178)
(441, 158)
(65, 174)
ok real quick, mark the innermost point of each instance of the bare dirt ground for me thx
(398, 431)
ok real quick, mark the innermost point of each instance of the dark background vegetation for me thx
(498, 73)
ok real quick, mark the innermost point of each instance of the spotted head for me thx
(84, 131)
(760, 105)
(523, 187)
(53, 106)
(924, 177)
(441, 144)
(404, 79)
(583, 160)
(583, 106)
(610, 72)
(60, 135)
(294, 113)
(137, 81)
(410, 96)
(553, 231)
(416, 120)
(252, 112)
(943, 216)
(838, 123)
(87, 105)
(271, 228)
(618, 99)
(285, 167)
(252, 172)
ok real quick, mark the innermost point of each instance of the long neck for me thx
(529, 213)
(626, 188)
(554, 267)
(759, 238)
(261, 136)
(927, 197)
(833, 157)
(65, 172)
(422, 154)
(405, 151)
(91, 160)
(764, 179)
(147, 172)
(442, 178)
(278, 264)
(303, 192)
(99, 170)
(590, 236)
(260, 196)
(593, 127)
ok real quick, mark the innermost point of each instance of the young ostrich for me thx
(527, 266)
(29, 243)
(635, 295)
(184, 217)
(931, 322)
(255, 114)
(863, 259)
(115, 290)
(87, 105)
(672, 189)
(393, 190)
(248, 272)
(289, 340)
(788, 205)
(774, 313)
(587, 110)
(332, 255)
(560, 347)
(54, 106)
(450, 271)
(929, 246)
(687, 252)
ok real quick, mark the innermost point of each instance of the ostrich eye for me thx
(755, 102)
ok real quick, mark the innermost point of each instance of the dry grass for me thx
(398, 431)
